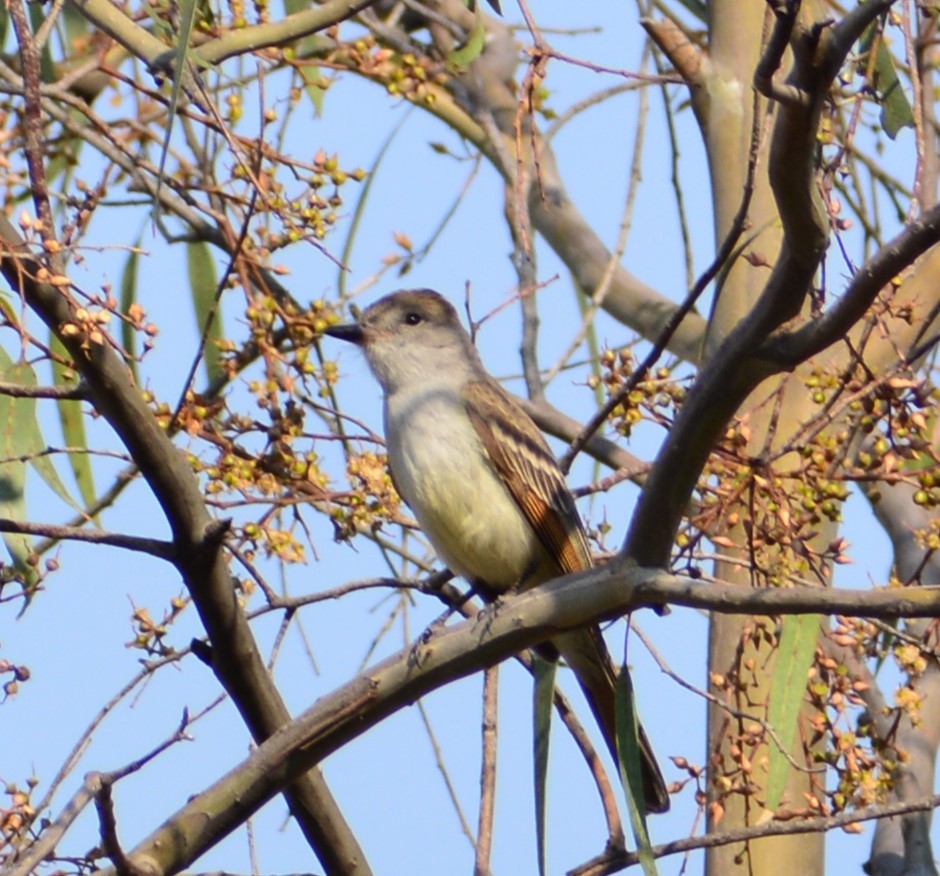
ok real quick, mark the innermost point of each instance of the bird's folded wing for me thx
(530, 472)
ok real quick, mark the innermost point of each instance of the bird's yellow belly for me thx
(456, 495)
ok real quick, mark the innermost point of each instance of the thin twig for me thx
(481, 864)
(766, 726)
(917, 107)
(97, 787)
(79, 391)
(614, 860)
(597, 297)
(164, 550)
(727, 247)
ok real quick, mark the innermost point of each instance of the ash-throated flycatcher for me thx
(480, 478)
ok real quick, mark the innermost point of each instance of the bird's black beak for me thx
(349, 332)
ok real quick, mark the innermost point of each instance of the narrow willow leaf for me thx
(9, 312)
(896, 112)
(292, 6)
(795, 652)
(885, 642)
(62, 165)
(631, 772)
(15, 435)
(203, 282)
(448, 214)
(312, 76)
(594, 357)
(472, 48)
(73, 428)
(24, 437)
(76, 25)
(593, 344)
(64, 161)
(543, 697)
(128, 299)
(187, 20)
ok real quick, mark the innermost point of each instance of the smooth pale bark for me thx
(735, 36)
(735, 32)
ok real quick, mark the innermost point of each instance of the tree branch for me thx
(738, 366)
(163, 550)
(488, 85)
(97, 787)
(440, 657)
(279, 33)
(236, 660)
(20, 390)
(615, 860)
(787, 349)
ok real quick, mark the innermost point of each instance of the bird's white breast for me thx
(443, 473)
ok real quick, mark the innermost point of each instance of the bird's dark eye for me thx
(413, 318)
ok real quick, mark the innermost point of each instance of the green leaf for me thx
(22, 435)
(896, 112)
(187, 20)
(76, 25)
(73, 428)
(9, 313)
(64, 160)
(445, 220)
(62, 164)
(204, 282)
(17, 419)
(594, 357)
(885, 642)
(128, 298)
(795, 653)
(312, 77)
(631, 771)
(472, 48)
(543, 697)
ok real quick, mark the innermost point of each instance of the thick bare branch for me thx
(197, 544)
(488, 88)
(440, 657)
(279, 33)
(737, 367)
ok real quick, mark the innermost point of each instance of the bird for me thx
(482, 481)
